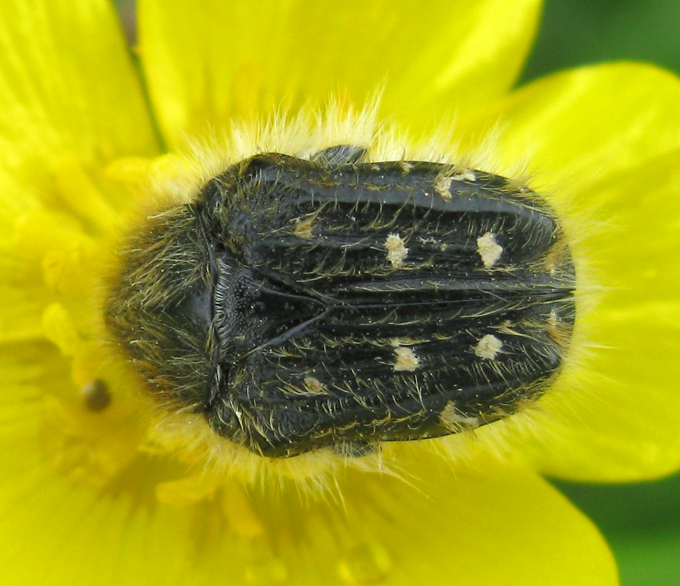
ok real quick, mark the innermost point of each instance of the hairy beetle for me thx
(306, 303)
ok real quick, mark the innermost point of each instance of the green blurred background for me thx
(641, 521)
(576, 32)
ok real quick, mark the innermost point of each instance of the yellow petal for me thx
(606, 139)
(460, 529)
(624, 424)
(212, 62)
(582, 126)
(67, 85)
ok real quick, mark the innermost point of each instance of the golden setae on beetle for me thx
(331, 302)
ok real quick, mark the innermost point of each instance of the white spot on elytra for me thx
(442, 185)
(465, 175)
(557, 330)
(488, 347)
(406, 359)
(453, 419)
(304, 228)
(314, 385)
(488, 249)
(405, 167)
(396, 251)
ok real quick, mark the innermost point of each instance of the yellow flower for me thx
(97, 490)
